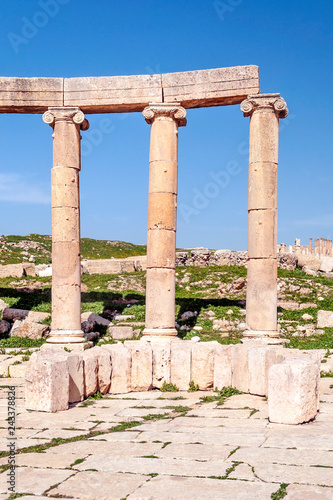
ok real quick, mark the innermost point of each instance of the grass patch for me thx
(168, 387)
(281, 492)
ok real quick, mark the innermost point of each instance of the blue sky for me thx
(291, 42)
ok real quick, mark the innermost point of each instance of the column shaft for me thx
(162, 219)
(66, 254)
(261, 300)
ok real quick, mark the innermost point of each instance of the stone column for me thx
(162, 215)
(310, 245)
(261, 300)
(317, 247)
(66, 256)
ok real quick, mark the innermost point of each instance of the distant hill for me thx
(37, 248)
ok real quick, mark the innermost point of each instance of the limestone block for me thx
(127, 266)
(47, 381)
(223, 366)
(260, 359)
(29, 269)
(64, 184)
(15, 270)
(104, 369)
(18, 371)
(76, 376)
(261, 298)
(121, 368)
(325, 319)
(160, 308)
(219, 86)
(30, 330)
(162, 211)
(202, 369)
(142, 365)
(121, 332)
(11, 314)
(161, 248)
(161, 362)
(262, 239)
(106, 94)
(90, 365)
(262, 192)
(181, 355)
(309, 261)
(30, 95)
(102, 266)
(163, 176)
(65, 224)
(264, 133)
(293, 391)
(326, 264)
(240, 367)
(66, 306)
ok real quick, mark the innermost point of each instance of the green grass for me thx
(281, 492)
(169, 387)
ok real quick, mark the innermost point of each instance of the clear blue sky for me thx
(290, 41)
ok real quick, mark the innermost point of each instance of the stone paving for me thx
(168, 446)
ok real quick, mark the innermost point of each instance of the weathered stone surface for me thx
(223, 366)
(309, 261)
(121, 332)
(3, 305)
(161, 362)
(180, 367)
(211, 87)
(293, 391)
(90, 366)
(260, 359)
(95, 318)
(142, 365)
(47, 381)
(104, 369)
(113, 266)
(202, 370)
(325, 319)
(326, 264)
(30, 95)
(308, 492)
(240, 367)
(4, 327)
(11, 314)
(17, 371)
(76, 376)
(121, 368)
(30, 330)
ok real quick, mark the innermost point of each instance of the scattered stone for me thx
(3, 305)
(94, 318)
(4, 327)
(121, 332)
(187, 315)
(30, 330)
(11, 314)
(307, 317)
(325, 319)
(45, 272)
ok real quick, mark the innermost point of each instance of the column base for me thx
(149, 334)
(82, 346)
(266, 336)
(66, 337)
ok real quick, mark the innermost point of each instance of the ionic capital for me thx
(69, 115)
(174, 111)
(261, 102)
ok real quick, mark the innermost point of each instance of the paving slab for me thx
(321, 476)
(299, 492)
(34, 481)
(258, 456)
(182, 488)
(99, 486)
(198, 452)
(105, 448)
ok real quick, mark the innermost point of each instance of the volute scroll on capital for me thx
(273, 102)
(70, 115)
(174, 111)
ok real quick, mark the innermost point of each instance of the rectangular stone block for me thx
(160, 298)
(30, 95)
(121, 332)
(293, 391)
(115, 93)
(121, 368)
(181, 356)
(240, 367)
(15, 270)
(161, 362)
(261, 297)
(90, 361)
(76, 376)
(202, 369)
(47, 381)
(260, 359)
(142, 365)
(104, 369)
(101, 266)
(223, 366)
(262, 238)
(212, 87)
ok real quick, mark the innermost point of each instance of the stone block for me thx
(293, 391)
(121, 332)
(223, 366)
(104, 369)
(202, 369)
(161, 362)
(240, 367)
(94, 318)
(4, 327)
(220, 86)
(311, 262)
(262, 241)
(162, 211)
(18, 371)
(90, 364)
(28, 329)
(76, 376)
(121, 368)
(30, 95)
(127, 266)
(262, 193)
(14, 270)
(325, 319)
(261, 297)
(101, 266)
(260, 359)
(181, 356)
(11, 314)
(45, 272)
(47, 381)
(160, 309)
(161, 246)
(142, 365)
